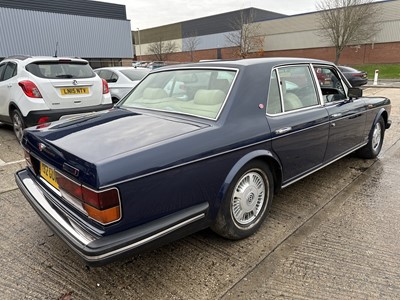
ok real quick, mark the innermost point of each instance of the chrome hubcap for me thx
(248, 198)
(376, 136)
(18, 128)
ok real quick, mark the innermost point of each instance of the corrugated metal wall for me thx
(301, 31)
(281, 33)
(70, 7)
(223, 22)
(36, 33)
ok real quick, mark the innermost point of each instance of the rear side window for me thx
(10, 71)
(135, 75)
(57, 70)
(2, 68)
(108, 76)
(291, 88)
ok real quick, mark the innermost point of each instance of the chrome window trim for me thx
(317, 90)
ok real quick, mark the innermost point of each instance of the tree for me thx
(348, 22)
(162, 49)
(246, 35)
(190, 44)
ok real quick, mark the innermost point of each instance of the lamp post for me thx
(140, 47)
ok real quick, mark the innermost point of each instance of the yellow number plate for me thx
(75, 91)
(48, 174)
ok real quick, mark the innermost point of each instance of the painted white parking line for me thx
(3, 163)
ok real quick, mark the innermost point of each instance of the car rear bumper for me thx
(53, 115)
(98, 250)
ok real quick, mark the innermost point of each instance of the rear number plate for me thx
(48, 174)
(75, 91)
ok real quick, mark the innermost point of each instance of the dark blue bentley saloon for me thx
(194, 146)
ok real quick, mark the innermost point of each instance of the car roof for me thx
(28, 59)
(122, 68)
(270, 61)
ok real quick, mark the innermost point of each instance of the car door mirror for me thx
(355, 92)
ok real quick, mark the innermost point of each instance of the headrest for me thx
(154, 93)
(209, 97)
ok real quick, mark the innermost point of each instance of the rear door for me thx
(8, 85)
(298, 121)
(66, 83)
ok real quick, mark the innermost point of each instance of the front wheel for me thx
(375, 141)
(246, 202)
(18, 124)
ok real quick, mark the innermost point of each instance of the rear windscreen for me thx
(56, 69)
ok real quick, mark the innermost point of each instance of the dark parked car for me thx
(355, 77)
(161, 165)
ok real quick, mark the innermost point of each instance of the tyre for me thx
(375, 141)
(18, 124)
(246, 202)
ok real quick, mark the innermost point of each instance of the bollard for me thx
(376, 77)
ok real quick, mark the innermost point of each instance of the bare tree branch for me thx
(348, 22)
(162, 49)
(190, 44)
(246, 35)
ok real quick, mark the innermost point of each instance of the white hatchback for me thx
(37, 90)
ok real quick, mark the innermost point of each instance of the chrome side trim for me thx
(143, 241)
(324, 165)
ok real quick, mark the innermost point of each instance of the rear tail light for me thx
(105, 87)
(30, 89)
(102, 206)
(358, 75)
(27, 158)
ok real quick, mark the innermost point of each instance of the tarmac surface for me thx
(332, 235)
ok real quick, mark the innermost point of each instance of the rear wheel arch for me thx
(264, 157)
(246, 195)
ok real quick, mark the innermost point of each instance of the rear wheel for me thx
(18, 124)
(374, 146)
(246, 202)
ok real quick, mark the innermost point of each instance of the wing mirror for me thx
(355, 92)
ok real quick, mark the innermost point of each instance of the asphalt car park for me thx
(334, 234)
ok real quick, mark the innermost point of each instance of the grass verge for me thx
(386, 71)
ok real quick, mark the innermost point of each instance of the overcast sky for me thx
(152, 13)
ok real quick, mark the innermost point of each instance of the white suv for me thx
(36, 90)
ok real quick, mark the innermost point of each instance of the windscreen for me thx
(196, 92)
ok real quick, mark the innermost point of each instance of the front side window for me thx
(295, 88)
(57, 70)
(332, 87)
(198, 92)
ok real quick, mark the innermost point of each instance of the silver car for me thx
(121, 79)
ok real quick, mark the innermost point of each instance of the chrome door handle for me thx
(336, 115)
(283, 130)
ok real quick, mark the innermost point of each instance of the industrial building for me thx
(93, 30)
(297, 36)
